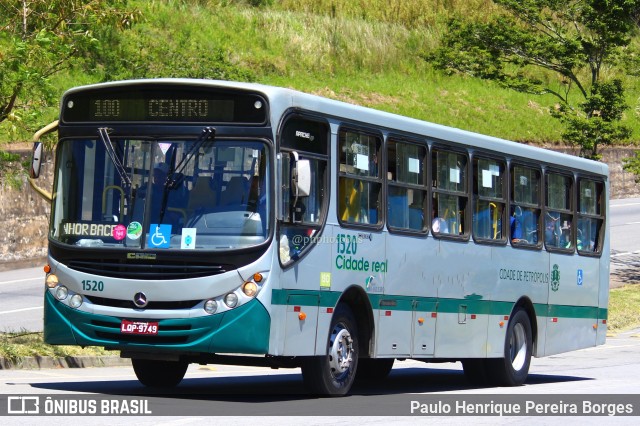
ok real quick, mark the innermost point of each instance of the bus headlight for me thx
(210, 306)
(51, 281)
(250, 288)
(231, 300)
(61, 292)
(75, 301)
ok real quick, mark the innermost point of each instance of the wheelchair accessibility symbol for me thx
(159, 236)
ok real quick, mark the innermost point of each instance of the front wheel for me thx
(333, 374)
(159, 374)
(512, 370)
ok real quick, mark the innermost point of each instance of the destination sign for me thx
(164, 103)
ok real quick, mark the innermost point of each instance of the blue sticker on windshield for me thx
(159, 236)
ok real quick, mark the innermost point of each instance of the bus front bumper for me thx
(241, 330)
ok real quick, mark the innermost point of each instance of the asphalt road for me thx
(22, 293)
(611, 369)
(625, 242)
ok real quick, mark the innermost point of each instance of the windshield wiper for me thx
(108, 146)
(175, 177)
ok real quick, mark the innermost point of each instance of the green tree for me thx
(550, 47)
(632, 165)
(39, 38)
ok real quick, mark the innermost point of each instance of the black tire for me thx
(475, 371)
(512, 370)
(370, 369)
(333, 374)
(159, 374)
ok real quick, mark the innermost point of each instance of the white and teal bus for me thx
(198, 221)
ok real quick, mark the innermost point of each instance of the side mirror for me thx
(36, 160)
(301, 177)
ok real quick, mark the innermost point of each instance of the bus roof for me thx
(282, 99)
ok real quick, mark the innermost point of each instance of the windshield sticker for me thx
(119, 232)
(188, 240)
(159, 235)
(134, 230)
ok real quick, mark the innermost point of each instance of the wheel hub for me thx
(341, 350)
(518, 347)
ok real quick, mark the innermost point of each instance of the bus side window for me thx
(590, 216)
(359, 181)
(489, 199)
(407, 186)
(524, 219)
(450, 193)
(558, 233)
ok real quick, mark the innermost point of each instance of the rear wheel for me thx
(159, 374)
(333, 374)
(512, 370)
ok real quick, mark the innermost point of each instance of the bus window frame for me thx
(572, 210)
(424, 187)
(478, 155)
(279, 150)
(382, 170)
(433, 190)
(541, 203)
(603, 214)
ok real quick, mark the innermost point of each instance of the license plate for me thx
(138, 327)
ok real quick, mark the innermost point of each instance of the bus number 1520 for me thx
(92, 285)
(347, 244)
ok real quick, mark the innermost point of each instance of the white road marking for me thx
(22, 280)
(20, 310)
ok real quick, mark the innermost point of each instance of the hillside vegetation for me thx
(365, 52)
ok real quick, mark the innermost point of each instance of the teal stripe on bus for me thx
(470, 305)
(325, 299)
(564, 311)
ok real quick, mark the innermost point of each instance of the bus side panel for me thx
(517, 273)
(299, 288)
(603, 292)
(573, 303)
(301, 324)
(411, 275)
(464, 294)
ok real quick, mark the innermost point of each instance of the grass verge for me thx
(15, 346)
(624, 314)
(624, 308)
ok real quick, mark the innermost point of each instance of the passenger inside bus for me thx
(524, 225)
(438, 224)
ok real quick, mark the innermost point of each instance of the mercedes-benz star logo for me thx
(140, 300)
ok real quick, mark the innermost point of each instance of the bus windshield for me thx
(161, 194)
